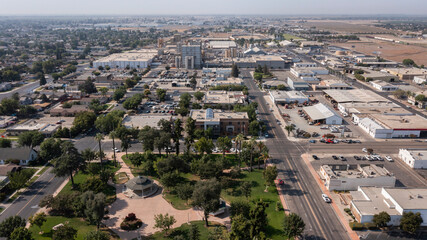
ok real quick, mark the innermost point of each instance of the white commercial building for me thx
(322, 113)
(415, 158)
(305, 64)
(133, 59)
(287, 96)
(345, 177)
(383, 86)
(420, 79)
(368, 201)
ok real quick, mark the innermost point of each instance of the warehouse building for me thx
(346, 177)
(354, 95)
(415, 158)
(383, 86)
(281, 97)
(133, 59)
(298, 84)
(323, 114)
(368, 201)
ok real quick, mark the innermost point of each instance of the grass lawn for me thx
(290, 36)
(121, 178)
(81, 177)
(81, 225)
(184, 229)
(274, 217)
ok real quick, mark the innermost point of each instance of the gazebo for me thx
(141, 186)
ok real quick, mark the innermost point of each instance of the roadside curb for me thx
(352, 234)
(282, 198)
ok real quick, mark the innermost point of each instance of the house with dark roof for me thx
(24, 155)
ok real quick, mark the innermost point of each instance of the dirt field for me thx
(345, 26)
(391, 51)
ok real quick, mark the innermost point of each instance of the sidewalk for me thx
(352, 234)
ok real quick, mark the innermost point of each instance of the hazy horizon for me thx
(218, 7)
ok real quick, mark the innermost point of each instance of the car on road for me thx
(334, 157)
(315, 157)
(312, 141)
(367, 157)
(342, 158)
(266, 135)
(388, 158)
(280, 181)
(115, 150)
(364, 150)
(326, 198)
(356, 157)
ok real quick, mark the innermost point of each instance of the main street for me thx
(27, 204)
(301, 192)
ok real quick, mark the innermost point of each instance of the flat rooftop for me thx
(204, 115)
(418, 154)
(222, 44)
(409, 198)
(415, 122)
(375, 107)
(268, 58)
(224, 97)
(355, 171)
(135, 55)
(406, 71)
(371, 201)
(319, 111)
(354, 95)
(287, 94)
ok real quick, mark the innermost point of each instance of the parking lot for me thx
(156, 108)
(64, 121)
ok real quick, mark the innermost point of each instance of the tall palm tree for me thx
(289, 128)
(265, 156)
(238, 141)
(261, 147)
(113, 135)
(99, 137)
(125, 144)
(251, 144)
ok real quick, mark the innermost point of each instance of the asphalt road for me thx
(27, 204)
(302, 194)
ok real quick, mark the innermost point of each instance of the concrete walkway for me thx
(145, 209)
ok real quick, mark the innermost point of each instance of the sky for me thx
(212, 7)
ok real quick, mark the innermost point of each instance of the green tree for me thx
(270, 174)
(161, 94)
(199, 95)
(30, 139)
(204, 145)
(206, 196)
(289, 129)
(381, 219)
(190, 127)
(239, 207)
(194, 233)
(408, 62)
(258, 219)
(42, 80)
(420, 98)
(64, 233)
(69, 162)
(177, 134)
(9, 106)
(240, 228)
(99, 137)
(88, 87)
(246, 189)
(119, 93)
(104, 91)
(164, 222)
(238, 141)
(224, 144)
(109, 122)
(21, 233)
(411, 222)
(50, 149)
(38, 220)
(83, 122)
(293, 226)
(94, 207)
(5, 143)
(97, 235)
(18, 179)
(9, 224)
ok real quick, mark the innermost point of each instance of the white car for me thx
(364, 150)
(388, 158)
(326, 198)
(115, 150)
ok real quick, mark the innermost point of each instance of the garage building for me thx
(279, 97)
(322, 113)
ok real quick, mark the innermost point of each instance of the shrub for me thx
(356, 226)
(93, 184)
(279, 206)
(370, 226)
(131, 222)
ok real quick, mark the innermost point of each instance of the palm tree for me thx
(289, 128)
(265, 156)
(251, 144)
(238, 141)
(126, 144)
(113, 135)
(261, 147)
(99, 137)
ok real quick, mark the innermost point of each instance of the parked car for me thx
(281, 182)
(334, 157)
(342, 158)
(356, 157)
(364, 150)
(315, 157)
(388, 158)
(326, 198)
(312, 141)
